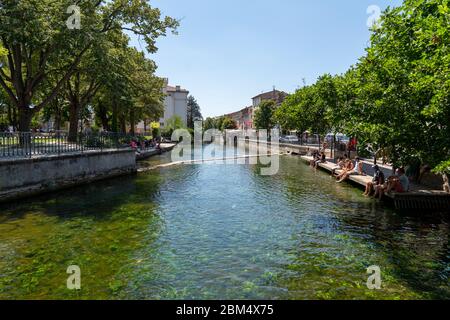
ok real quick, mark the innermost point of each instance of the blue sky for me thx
(226, 52)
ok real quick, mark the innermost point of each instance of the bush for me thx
(443, 168)
(156, 132)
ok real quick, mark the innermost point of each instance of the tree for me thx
(397, 97)
(263, 118)
(57, 110)
(228, 124)
(39, 44)
(130, 91)
(193, 112)
(299, 111)
(173, 124)
(93, 72)
(146, 90)
(403, 95)
(209, 124)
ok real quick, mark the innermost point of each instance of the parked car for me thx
(339, 137)
(289, 139)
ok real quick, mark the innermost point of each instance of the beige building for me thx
(274, 95)
(244, 118)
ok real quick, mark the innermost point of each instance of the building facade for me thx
(244, 118)
(274, 95)
(175, 104)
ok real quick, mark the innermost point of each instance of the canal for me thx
(217, 231)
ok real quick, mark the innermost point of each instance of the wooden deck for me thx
(418, 198)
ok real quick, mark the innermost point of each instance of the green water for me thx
(220, 232)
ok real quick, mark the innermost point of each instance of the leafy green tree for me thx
(218, 122)
(209, 124)
(147, 95)
(325, 101)
(172, 124)
(58, 111)
(403, 91)
(193, 112)
(228, 124)
(131, 92)
(263, 118)
(396, 99)
(95, 69)
(40, 45)
(295, 113)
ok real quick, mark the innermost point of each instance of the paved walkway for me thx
(367, 168)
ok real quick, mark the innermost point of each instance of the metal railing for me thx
(28, 144)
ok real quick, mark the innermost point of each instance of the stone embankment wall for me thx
(24, 177)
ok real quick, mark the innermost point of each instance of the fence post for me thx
(29, 143)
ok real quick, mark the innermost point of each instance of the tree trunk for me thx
(73, 120)
(123, 124)
(102, 114)
(115, 116)
(24, 119)
(25, 116)
(58, 120)
(132, 122)
(10, 116)
(446, 185)
(15, 119)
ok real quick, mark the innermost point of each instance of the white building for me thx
(175, 104)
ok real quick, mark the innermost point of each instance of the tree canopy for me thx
(263, 117)
(193, 112)
(396, 98)
(220, 123)
(41, 57)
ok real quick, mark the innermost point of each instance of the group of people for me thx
(145, 144)
(348, 168)
(398, 183)
(379, 185)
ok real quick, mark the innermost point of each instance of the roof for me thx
(174, 89)
(274, 95)
(240, 112)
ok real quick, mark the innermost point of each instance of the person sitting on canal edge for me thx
(315, 156)
(339, 166)
(322, 159)
(357, 170)
(378, 180)
(347, 167)
(398, 183)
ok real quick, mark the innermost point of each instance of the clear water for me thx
(220, 232)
